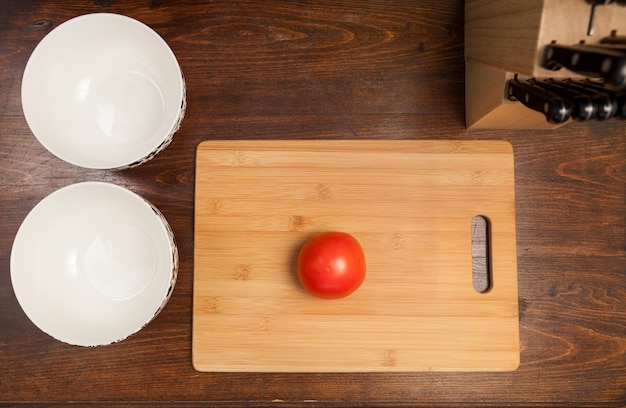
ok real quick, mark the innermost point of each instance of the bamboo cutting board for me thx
(409, 203)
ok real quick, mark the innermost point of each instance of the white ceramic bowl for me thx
(103, 91)
(93, 263)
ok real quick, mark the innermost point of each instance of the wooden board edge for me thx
(502, 146)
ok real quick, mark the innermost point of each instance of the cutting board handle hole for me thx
(481, 254)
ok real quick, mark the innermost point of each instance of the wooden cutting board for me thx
(411, 206)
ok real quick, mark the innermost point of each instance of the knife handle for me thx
(615, 45)
(554, 108)
(606, 106)
(583, 107)
(592, 61)
(613, 39)
(618, 96)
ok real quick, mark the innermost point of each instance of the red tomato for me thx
(331, 265)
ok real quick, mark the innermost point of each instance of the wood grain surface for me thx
(325, 70)
(410, 204)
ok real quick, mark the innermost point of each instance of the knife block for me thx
(507, 37)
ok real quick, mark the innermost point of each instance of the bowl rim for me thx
(160, 143)
(150, 210)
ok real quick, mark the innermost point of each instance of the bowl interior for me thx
(102, 91)
(92, 263)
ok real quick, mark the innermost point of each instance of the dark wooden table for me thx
(315, 69)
